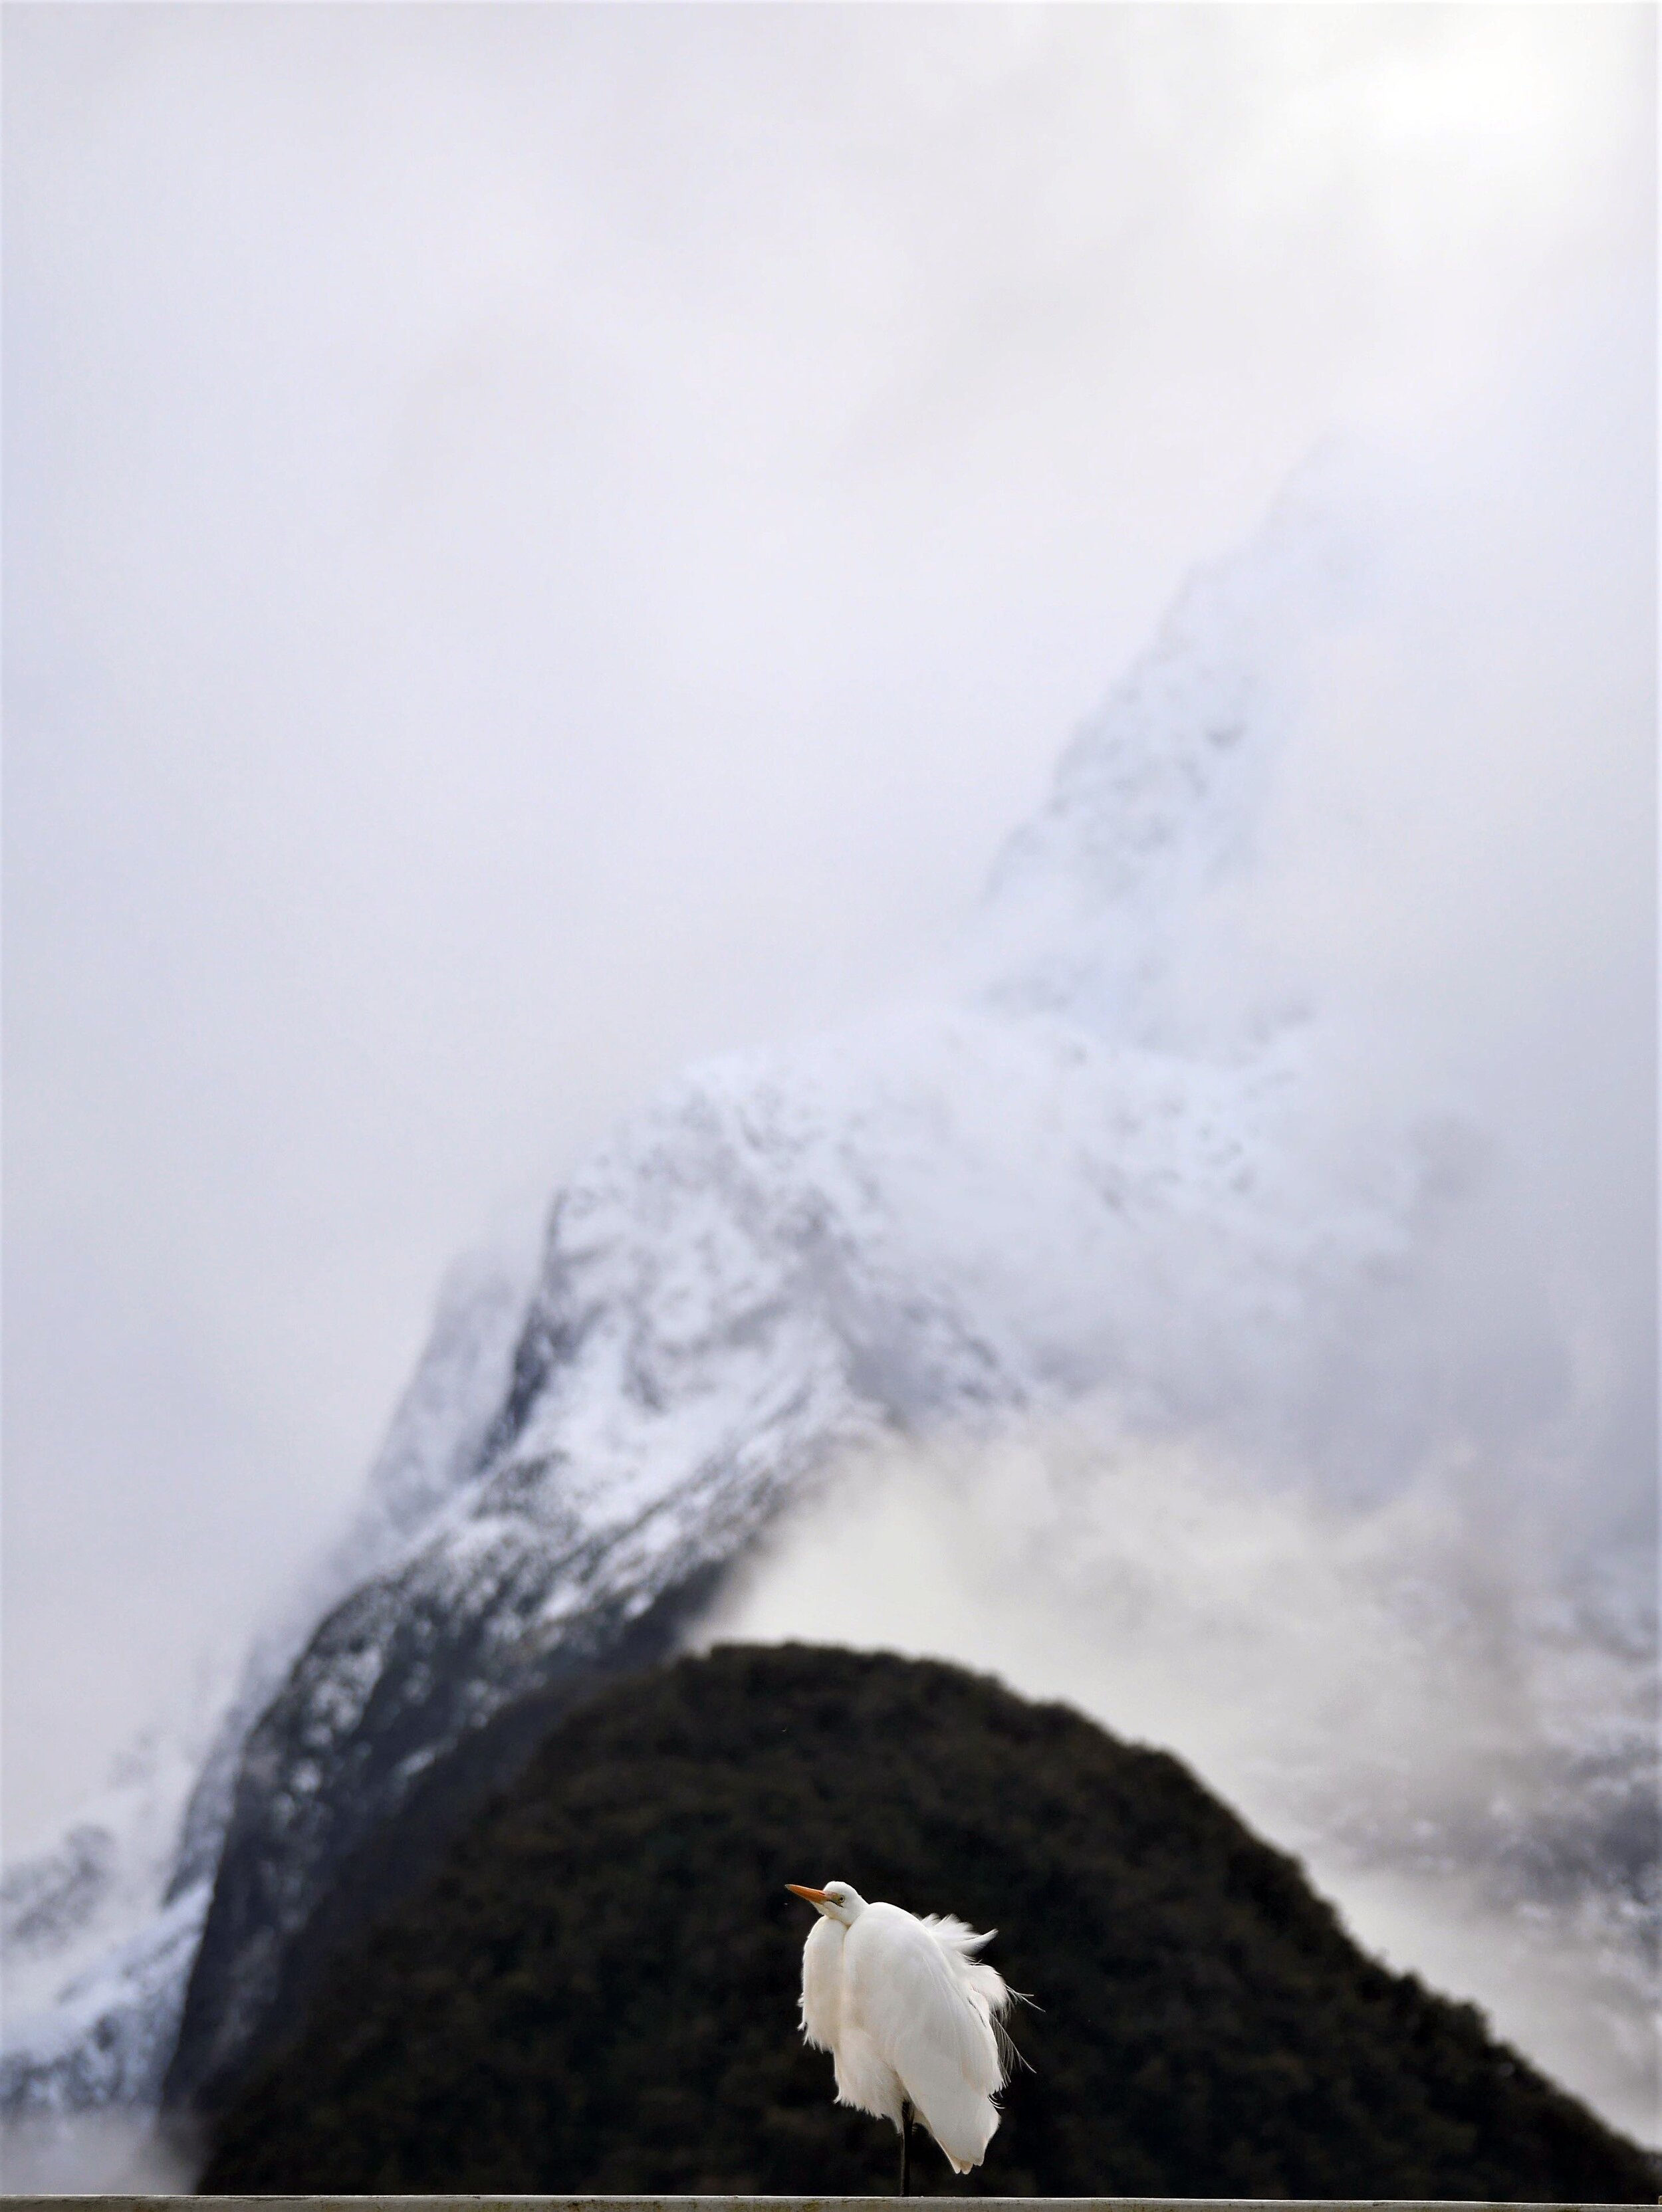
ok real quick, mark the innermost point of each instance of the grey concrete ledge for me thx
(331, 2204)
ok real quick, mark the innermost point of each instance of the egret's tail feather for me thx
(1007, 2046)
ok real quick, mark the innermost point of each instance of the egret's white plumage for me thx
(910, 2015)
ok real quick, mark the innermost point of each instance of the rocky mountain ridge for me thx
(1064, 1173)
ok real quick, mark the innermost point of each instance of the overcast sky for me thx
(542, 541)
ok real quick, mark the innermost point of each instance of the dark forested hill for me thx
(598, 1990)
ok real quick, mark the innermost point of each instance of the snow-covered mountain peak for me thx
(1103, 1162)
(1158, 798)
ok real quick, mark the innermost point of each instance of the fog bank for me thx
(1403, 1693)
(544, 541)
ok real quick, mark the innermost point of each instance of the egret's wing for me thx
(865, 2078)
(904, 1988)
(822, 1985)
(987, 1990)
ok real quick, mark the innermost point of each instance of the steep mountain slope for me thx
(951, 1210)
(93, 2010)
(744, 1286)
(1068, 1172)
(598, 1991)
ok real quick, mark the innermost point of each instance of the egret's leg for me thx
(905, 2149)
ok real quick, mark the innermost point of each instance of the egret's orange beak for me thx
(813, 1896)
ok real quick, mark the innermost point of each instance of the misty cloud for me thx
(541, 543)
(1404, 1694)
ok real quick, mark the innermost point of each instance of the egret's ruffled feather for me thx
(911, 2014)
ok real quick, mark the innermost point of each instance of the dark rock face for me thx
(596, 1989)
(302, 1871)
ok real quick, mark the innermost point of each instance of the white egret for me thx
(910, 2015)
